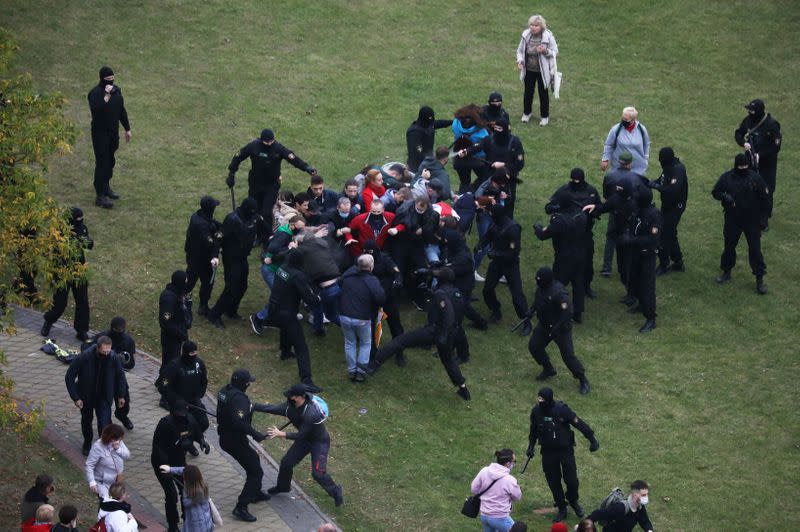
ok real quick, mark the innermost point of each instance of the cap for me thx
(626, 157)
(754, 105)
(178, 408)
(241, 376)
(206, 202)
(267, 134)
(295, 389)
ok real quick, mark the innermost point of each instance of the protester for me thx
(624, 515)
(67, 519)
(106, 460)
(42, 522)
(198, 510)
(536, 60)
(499, 490)
(36, 496)
(116, 512)
(629, 135)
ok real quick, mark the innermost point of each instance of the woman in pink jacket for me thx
(496, 502)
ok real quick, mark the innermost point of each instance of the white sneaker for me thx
(544, 121)
(503, 280)
(526, 118)
(325, 319)
(479, 278)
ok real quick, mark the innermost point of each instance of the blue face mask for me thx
(343, 214)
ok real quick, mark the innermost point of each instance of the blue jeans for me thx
(329, 305)
(432, 253)
(269, 278)
(496, 524)
(484, 222)
(356, 333)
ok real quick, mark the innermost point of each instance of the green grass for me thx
(704, 408)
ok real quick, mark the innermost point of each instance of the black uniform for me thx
(187, 378)
(674, 188)
(569, 233)
(106, 118)
(550, 426)
(620, 203)
(459, 258)
(263, 181)
(745, 197)
(80, 287)
(311, 437)
(493, 113)
(238, 237)
(420, 137)
(175, 319)
(390, 278)
(551, 307)
(642, 242)
(234, 416)
(174, 436)
(764, 135)
(503, 147)
(203, 239)
(408, 248)
(505, 237)
(290, 287)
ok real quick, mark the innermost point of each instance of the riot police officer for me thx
(551, 306)
(550, 426)
(175, 319)
(760, 135)
(203, 238)
(674, 188)
(641, 242)
(505, 237)
(459, 259)
(186, 378)
(175, 435)
(234, 416)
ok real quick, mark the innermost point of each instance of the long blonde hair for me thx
(194, 486)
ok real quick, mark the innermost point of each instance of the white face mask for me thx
(644, 500)
(510, 467)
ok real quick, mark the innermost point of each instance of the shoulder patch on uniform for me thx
(512, 245)
(443, 303)
(210, 238)
(673, 181)
(520, 157)
(564, 305)
(164, 381)
(419, 148)
(654, 230)
(290, 156)
(240, 413)
(167, 316)
(218, 234)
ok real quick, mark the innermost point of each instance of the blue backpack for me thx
(321, 406)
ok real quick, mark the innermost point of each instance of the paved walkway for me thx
(40, 377)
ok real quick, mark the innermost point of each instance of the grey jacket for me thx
(104, 464)
(547, 60)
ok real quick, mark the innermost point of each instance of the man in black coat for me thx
(79, 287)
(642, 242)
(493, 110)
(264, 179)
(505, 237)
(415, 225)
(623, 516)
(203, 239)
(420, 136)
(551, 307)
(94, 380)
(124, 346)
(186, 378)
(175, 319)
(550, 426)
(175, 435)
(746, 199)
(238, 237)
(234, 418)
(459, 258)
(108, 111)
(674, 188)
(760, 135)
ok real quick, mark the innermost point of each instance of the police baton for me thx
(213, 274)
(518, 325)
(233, 201)
(528, 461)
(201, 409)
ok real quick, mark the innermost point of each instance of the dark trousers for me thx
(532, 79)
(497, 269)
(122, 413)
(99, 408)
(458, 344)
(200, 270)
(670, 249)
(426, 336)
(540, 338)
(588, 272)
(239, 448)
(392, 310)
(465, 167)
(104, 145)
(409, 254)
(472, 314)
(81, 294)
(558, 463)
(266, 199)
(170, 350)
(173, 492)
(610, 245)
(236, 272)
(319, 464)
(643, 280)
(571, 269)
(767, 170)
(732, 232)
(291, 337)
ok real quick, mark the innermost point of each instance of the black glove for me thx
(230, 180)
(727, 200)
(654, 184)
(551, 208)
(538, 229)
(311, 170)
(259, 436)
(397, 284)
(594, 445)
(531, 451)
(205, 446)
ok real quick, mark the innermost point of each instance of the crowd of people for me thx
(391, 238)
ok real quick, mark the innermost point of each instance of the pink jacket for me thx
(497, 501)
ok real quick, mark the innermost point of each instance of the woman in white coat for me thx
(536, 61)
(105, 462)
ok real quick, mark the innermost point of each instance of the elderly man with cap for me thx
(203, 240)
(264, 179)
(760, 135)
(108, 111)
(308, 417)
(175, 319)
(420, 136)
(550, 426)
(234, 418)
(552, 307)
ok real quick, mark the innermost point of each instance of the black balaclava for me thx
(117, 327)
(425, 117)
(188, 347)
(294, 259)
(756, 108)
(104, 73)
(207, 205)
(666, 156)
(179, 280)
(577, 178)
(76, 217)
(454, 241)
(546, 394)
(267, 135)
(495, 97)
(644, 198)
(740, 160)
(544, 277)
(501, 137)
(248, 208)
(493, 112)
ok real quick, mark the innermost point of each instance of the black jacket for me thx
(326, 202)
(551, 427)
(184, 378)
(438, 172)
(743, 194)
(306, 419)
(319, 261)
(106, 116)
(174, 314)
(553, 307)
(645, 231)
(203, 238)
(265, 163)
(172, 438)
(571, 197)
(235, 414)
(620, 519)
(362, 294)
(419, 141)
(408, 216)
(673, 186)
(507, 151)
(506, 238)
(459, 259)
(290, 287)
(90, 377)
(765, 139)
(238, 236)
(568, 231)
(387, 272)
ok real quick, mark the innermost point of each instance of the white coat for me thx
(547, 60)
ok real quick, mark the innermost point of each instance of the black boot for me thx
(203, 310)
(274, 490)
(648, 326)
(46, 328)
(400, 359)
(241, 512)
(724, 277)
(338, 497)
(678, 267)
(761, 288)
(104, 202)
(578, 509)
(463, 393)
(628, 300)
(584, 387)
(495, 316)
(111, 194)
(526, 329)
(546, 373)
(561, 515)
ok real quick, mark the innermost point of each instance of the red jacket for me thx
(370, 193)
(362, 231)
(28, 526)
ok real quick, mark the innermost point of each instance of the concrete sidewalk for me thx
(40, 377)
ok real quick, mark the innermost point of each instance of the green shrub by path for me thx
(704, 408)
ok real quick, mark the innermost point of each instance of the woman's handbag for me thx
(472, 505)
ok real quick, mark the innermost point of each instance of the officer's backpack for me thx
(321, 407)
(616, 496)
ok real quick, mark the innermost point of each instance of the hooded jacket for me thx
(547, 60)
(496, 502)
(437, 171)
(203, 238)
(306, 419)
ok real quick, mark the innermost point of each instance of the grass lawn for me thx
(704, 408)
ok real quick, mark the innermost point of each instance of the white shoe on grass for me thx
(526, 118)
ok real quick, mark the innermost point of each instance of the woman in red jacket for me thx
(373, 187)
